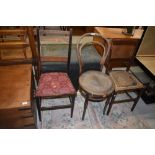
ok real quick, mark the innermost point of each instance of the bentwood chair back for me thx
(94, 85)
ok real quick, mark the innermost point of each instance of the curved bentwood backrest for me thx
(104, 43)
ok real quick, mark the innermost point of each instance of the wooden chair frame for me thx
(127, 63)
(54, 59)
(22, 33)
(106, 46)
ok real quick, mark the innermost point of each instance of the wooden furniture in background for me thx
(16, 92)
(15, 45)
(16, 96)
(120, 49)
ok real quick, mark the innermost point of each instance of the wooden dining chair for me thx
(15, 45)
(54, 84)
(122, 55)
(94, 85)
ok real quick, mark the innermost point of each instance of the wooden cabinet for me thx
(116, 33)
(122, 45)
(16, 96)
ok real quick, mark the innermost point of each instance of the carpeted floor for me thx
(143, 117)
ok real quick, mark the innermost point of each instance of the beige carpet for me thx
(142, 117)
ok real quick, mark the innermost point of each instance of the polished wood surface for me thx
(12, 32)
(15, 86)
(13, 44)
(16, 118)
(16, 108)
(17, 45)
(17, 53)
(148, 62)
(123, 46)
(116, 33)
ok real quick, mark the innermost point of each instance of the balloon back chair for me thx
(94, 85)
(55, 84)
(123, 52)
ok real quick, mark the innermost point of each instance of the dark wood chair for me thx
(55, 84)
(122, 55)
(94, 85)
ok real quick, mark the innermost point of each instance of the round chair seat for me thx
(96, 83)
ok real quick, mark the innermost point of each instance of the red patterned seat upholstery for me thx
(54, 84)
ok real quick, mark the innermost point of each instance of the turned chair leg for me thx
(106, 104)
(137, 99)
(85, 107)
(38, 101)
(72, 99)
(111, 103)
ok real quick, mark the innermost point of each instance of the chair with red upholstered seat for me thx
(55, 84)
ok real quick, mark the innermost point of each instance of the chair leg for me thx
(38, 101)
(72, 105)
(111, 103)
(137, 99)
(106, 104)
(85, 106)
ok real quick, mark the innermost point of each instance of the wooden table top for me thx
(114, 33)
(148, 62)
(15, 86)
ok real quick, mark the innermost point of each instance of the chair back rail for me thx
(17, 39)
(64, 59)
(13, 32)
(123, 52)
(105, 45)
(53, 32)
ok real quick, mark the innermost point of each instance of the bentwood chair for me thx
(122, 55)
(55, 84)
(94, 85)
